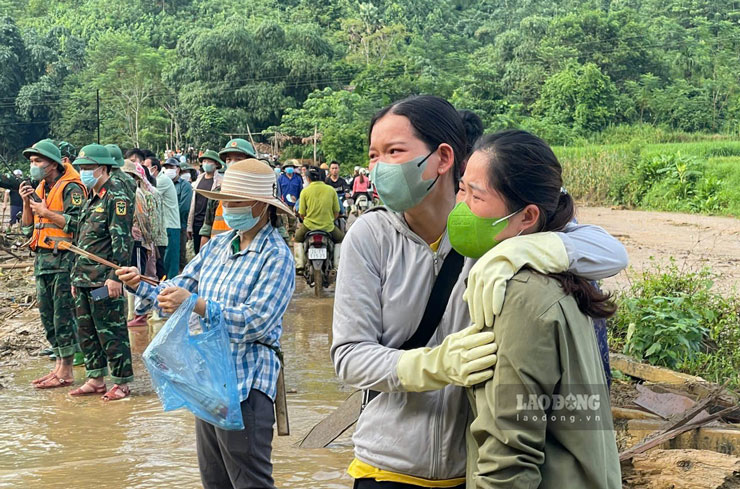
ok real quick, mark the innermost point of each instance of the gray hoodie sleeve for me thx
(593, 253)
(360, 359)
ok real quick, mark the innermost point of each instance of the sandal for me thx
(43, 379)
(54, 382)
(117, 392)
(82, 391)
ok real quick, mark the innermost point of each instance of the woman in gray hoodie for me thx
(413, 433)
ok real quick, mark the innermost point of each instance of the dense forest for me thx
(189, 72)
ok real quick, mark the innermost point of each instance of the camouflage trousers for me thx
(101, 328)
(57, 311)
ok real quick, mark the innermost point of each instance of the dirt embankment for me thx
(692, 240)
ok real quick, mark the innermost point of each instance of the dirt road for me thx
(693, 240)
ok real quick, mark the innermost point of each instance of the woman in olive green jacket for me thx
(544, 419)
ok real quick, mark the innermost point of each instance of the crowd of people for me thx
(474, 245)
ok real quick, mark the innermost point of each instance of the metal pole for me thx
(97, 96)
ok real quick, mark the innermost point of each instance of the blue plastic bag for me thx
(195, 371)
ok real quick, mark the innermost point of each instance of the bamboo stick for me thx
(64, 245)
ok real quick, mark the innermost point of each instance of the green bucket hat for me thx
(209, 154)
(238, 145)
(94, 154)
(45, 148)
(116, 154)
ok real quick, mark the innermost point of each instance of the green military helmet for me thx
(45, 148)
(238, 145)
(116, 154)
(95, 154)
(68, 150)
(209, 154)
(185, 166)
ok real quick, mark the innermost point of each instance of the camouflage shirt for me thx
(122, 178)
(46, 260)
(210, 214)
(105, 230)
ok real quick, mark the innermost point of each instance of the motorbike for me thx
(319, 270)
(361, 204)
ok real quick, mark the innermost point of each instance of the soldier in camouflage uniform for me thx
(105, 230)
(47, 222)
(118, 175)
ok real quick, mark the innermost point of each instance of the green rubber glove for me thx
(544, 252)
(464, 358)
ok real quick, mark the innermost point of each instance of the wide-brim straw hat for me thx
(248, 180)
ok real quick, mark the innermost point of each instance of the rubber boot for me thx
(300, 256)
(337, 248)
(79, 359)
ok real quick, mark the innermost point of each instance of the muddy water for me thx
(51, 440)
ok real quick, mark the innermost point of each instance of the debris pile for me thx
(675, 430)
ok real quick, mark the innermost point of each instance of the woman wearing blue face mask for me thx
(411, 433)
(255, 257)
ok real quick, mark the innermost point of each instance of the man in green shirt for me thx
(319, 207)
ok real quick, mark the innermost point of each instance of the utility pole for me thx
(97, 96)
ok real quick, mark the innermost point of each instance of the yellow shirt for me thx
(360, 470)
(435, 246)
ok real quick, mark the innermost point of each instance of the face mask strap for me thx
(427, 157)
(422, 161)
(506, 217)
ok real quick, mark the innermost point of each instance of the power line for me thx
(460, 62)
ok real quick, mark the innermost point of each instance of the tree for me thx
(341, 117)
(579, 95)
(128, 74)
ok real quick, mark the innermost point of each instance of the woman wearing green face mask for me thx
(544, 418)
(413, 433)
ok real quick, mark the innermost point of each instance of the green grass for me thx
(653, 176)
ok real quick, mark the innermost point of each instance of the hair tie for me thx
(563, 191)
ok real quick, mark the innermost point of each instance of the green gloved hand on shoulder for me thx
(543, 252)
(464, 358)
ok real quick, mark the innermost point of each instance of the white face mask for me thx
(185, 177)
(171, 172)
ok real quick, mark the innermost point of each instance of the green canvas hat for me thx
(116, 154)
(238, 145)
(94, 154)
(45, 148)
(209, 154)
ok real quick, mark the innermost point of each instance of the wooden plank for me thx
(627, 413)
(335, 424)
(643, 371)
(723, 439)
(682, 469)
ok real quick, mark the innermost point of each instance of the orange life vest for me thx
(219, 225)
(44, 228)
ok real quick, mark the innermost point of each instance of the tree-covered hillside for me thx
(189, 72)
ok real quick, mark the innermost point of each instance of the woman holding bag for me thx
(254, 256)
